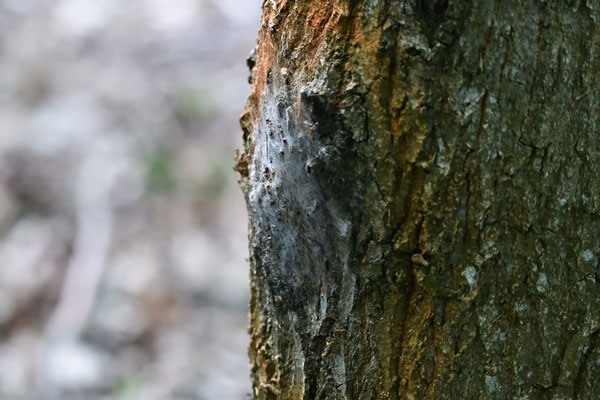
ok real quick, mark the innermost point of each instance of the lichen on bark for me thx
(421, 185)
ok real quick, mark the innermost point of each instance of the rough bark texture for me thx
(422, 183)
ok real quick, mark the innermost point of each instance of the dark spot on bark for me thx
(414, 52)
(251, 62)
(431, 14)
(269, 76)
(281, 109)
(246, 125)
(320, 109)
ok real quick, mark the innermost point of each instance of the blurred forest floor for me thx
(123, 231)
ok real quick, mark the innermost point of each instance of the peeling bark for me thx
(421, 180)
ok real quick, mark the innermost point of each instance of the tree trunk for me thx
(422, 183)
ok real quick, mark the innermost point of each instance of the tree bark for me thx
(422, 184)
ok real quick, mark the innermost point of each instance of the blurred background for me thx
(123, 243)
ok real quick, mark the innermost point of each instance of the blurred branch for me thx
(94, 230)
